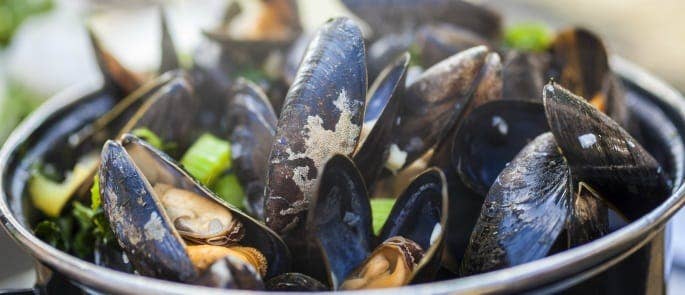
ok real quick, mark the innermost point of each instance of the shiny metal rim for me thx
(562, 269)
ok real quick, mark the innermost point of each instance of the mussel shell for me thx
(433, 103)
(111, 124)
(115, 75)
(524, 75)
(339, 229)
(384, 51)
(602, 154)
(231, 273)
(589, 218)
(420, 214)
(379, 119)
(130, 204)
(294, 57)
(161, 114)
(253, 125)
(143, 231)
(295, 282)
(491, 136)
(524, 212)
(169, 60)
(580, 63)
(439, 41)
(392, 16)
(322, 116)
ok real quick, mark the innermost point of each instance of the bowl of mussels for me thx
(431, 154)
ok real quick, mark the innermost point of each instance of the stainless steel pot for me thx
(633, 259)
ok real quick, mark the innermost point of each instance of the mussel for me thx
(565, 181)
(348, 255)
(170, 226)
(322, 116)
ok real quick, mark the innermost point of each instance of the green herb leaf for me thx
(528, 37)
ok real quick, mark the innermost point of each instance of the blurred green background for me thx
(44, 49)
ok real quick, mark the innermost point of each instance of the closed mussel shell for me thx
(322, 116)
(295, 282)
(602, 154)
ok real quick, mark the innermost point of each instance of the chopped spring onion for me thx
(149, 136)
(380, 210)
(207, 158)
(50, 196)
(95, 199)
(229, 189)
(528, 37)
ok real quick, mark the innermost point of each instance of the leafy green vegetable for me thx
(380, 210)
(95, 199)
(229, 189)
(149, 136)
(528, 37)
(207, 158)
(55, 232)
(49, 196)
(92, 228)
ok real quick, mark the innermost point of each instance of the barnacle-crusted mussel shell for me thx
(151, 230)
(322, 116)
(382, 105)
(602, 154)
(524, 211)
(253, 125)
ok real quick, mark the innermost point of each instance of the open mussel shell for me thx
(275, 26)
(160, 114)
(393, 16)
(602, 154)
(580, 62)
(379, 119)
(295, 282)
(115, 75)
(340, 234)
(339, 223)
(128, 172)
(231, 273)
(169, 59)
(252, 124)
(322, 116)
(433, 104)
(420, 214)
(524, 212)
(491, 136)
